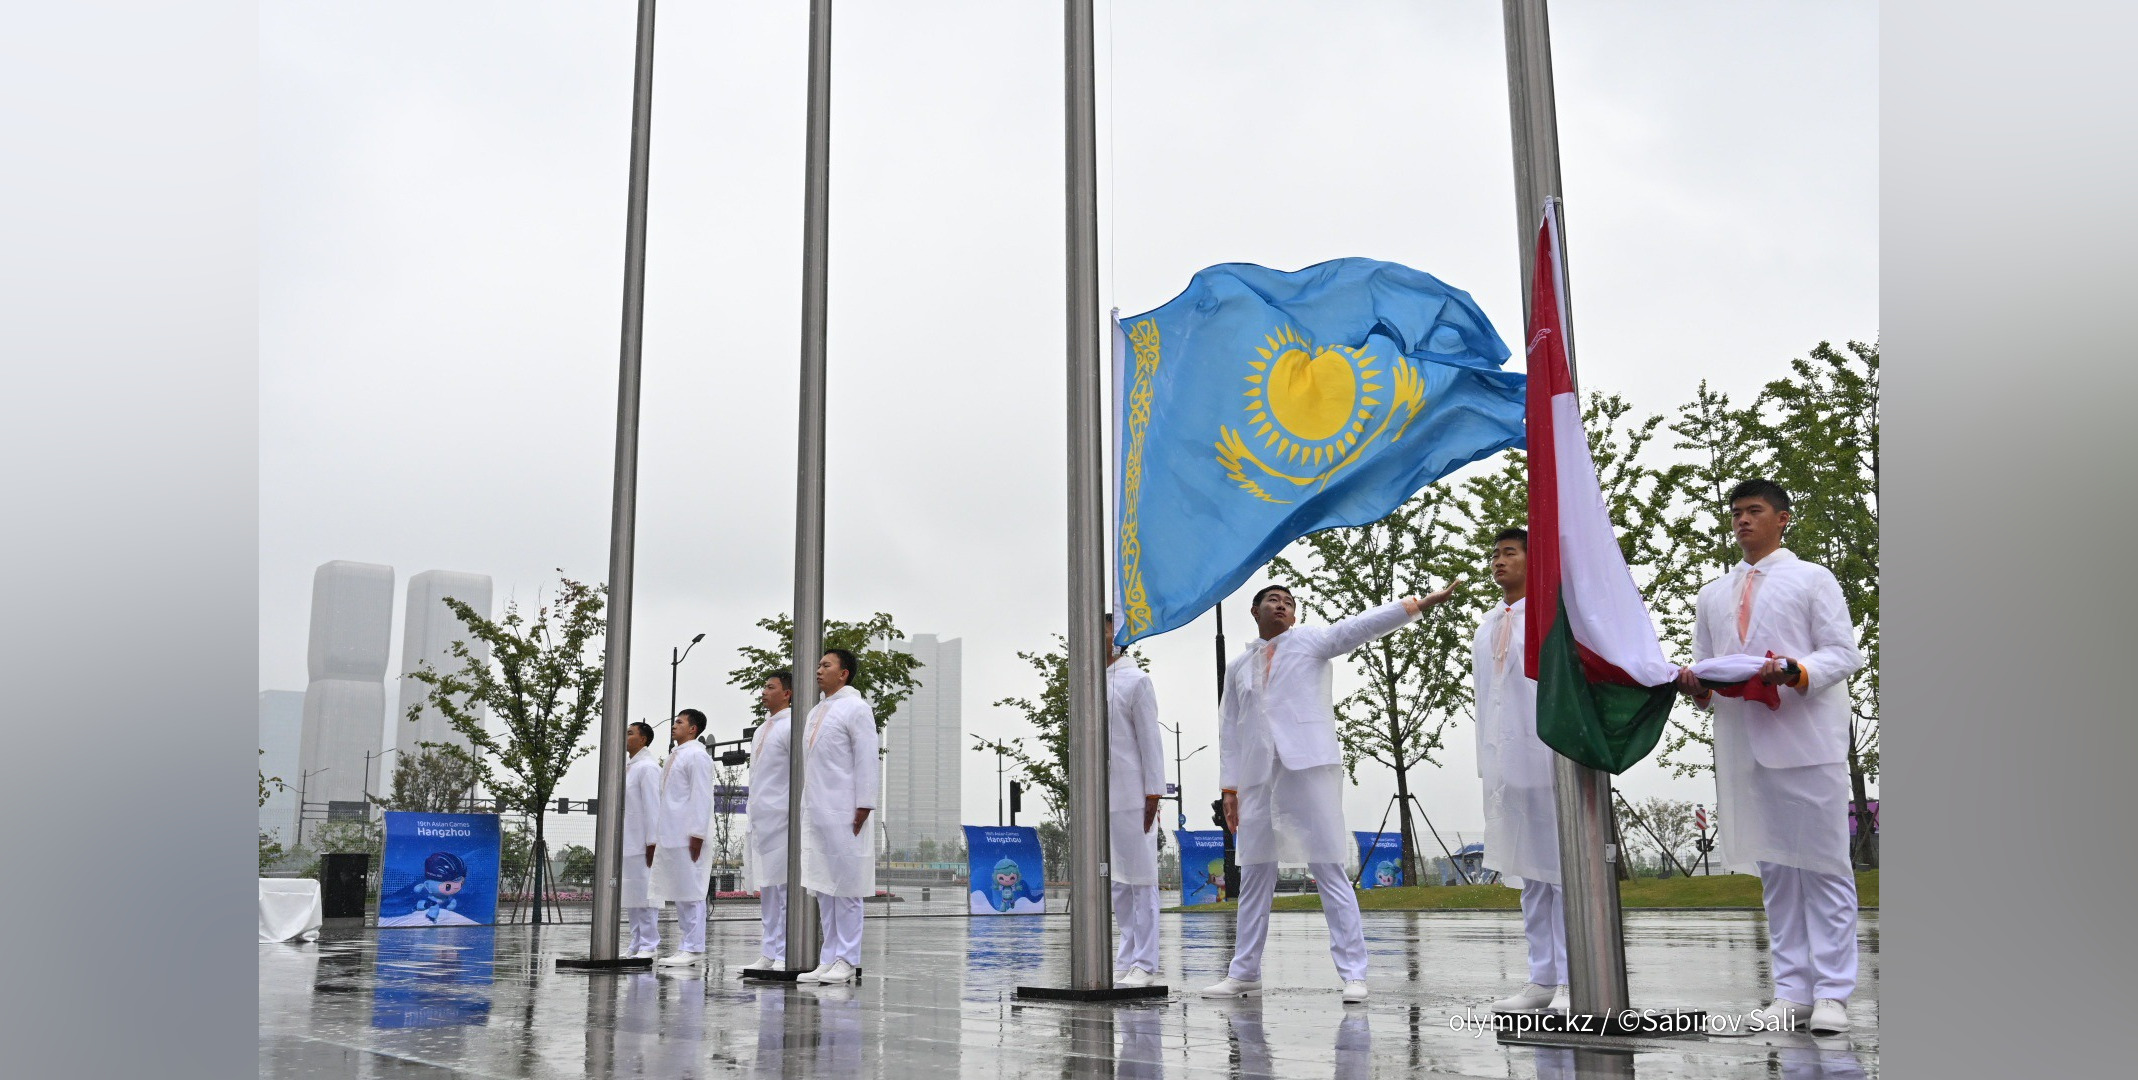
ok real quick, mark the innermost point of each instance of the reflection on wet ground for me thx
(937, 1002)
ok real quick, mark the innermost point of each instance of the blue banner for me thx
(1202, 866)
(1008, 874)
(1380, 859)
(1259, 406)
(439, 870)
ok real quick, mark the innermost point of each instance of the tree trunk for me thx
(541, 856)
(1618, 843)
(1866, 839)
(1412, 872)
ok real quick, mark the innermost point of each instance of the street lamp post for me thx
(381, 756)
(1180, 778)
(675, 660)
(304, 780)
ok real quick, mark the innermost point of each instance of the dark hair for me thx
(644, 729)
(847, 662)
(697, 719)
(1512, 532)
(1759, 489)
(1268, 589)
(786, 679)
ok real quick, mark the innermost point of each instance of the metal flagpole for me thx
(1090, 894)
(802, 931)
(1595, 930)
(623, 525)
(1588, 854)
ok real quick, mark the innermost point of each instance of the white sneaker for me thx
(1232, 988)
(1562, 1000)
(839, 974)
(1354, 991)
(1120, 977)
(1829, 1016)
(813, 975)
(1135, 978)
(681, 958)
(1531, 997)
(643, 954)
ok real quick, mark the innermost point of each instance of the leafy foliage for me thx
(439, 779)
(269, 785)
(886, 678)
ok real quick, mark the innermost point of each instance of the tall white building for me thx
(345, 702)
(281, 734)
(926, 738)
(429, 629)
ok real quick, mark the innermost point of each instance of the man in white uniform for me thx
(642, 814)
(1521, 819)
(839, 785)
(1781, 773)
(765, 854)
(1136, 781)
(1282, 772)
(682, 867)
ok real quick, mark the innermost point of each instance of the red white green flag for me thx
(1604, 689)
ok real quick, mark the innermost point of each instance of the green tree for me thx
(270, 851)
(1663, 827)
(541, 681)
(269, 785)
(1054, 849)
(575, 865)
(1417, 680)
(886, 678)
(439, 779)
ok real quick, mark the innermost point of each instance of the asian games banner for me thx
(1202, 866)
(1380, 859)
(1008, 872)
(439, 870)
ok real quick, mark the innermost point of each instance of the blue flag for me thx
(1259, 406)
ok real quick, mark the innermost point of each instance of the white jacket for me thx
(1289, 714)
(1797, 611)
(770, 771)
(1135, 766)
(686, 796)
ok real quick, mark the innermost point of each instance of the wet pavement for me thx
(937, 1001)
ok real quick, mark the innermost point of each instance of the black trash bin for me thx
(342, 888)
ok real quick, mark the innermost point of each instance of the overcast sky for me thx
(441, 250)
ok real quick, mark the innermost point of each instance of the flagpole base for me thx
(1110, 993)
(621, 963)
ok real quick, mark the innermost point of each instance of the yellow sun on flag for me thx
(1309, 404)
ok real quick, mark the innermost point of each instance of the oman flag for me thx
(1604, 689)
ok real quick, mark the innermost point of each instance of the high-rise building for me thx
(926, 741)
(281, 734)
(345, 702)
(429, 629)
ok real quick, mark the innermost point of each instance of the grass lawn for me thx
(1719, 891)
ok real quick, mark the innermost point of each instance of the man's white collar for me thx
(1774, 558)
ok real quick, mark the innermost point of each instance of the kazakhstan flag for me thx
(1260, 406)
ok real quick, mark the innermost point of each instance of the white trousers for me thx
(645, 930)
(1811, 932)
(772, 911)
(840, 919)
(1339, 905)
(1544, 924)
(690, 916)
(1136, 913)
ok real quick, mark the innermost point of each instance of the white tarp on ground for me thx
(289, 908)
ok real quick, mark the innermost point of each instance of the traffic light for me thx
(1016, 796)
(593, 805)
(564, 805)
(735, 757)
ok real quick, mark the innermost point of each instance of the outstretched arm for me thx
(1348, 634)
